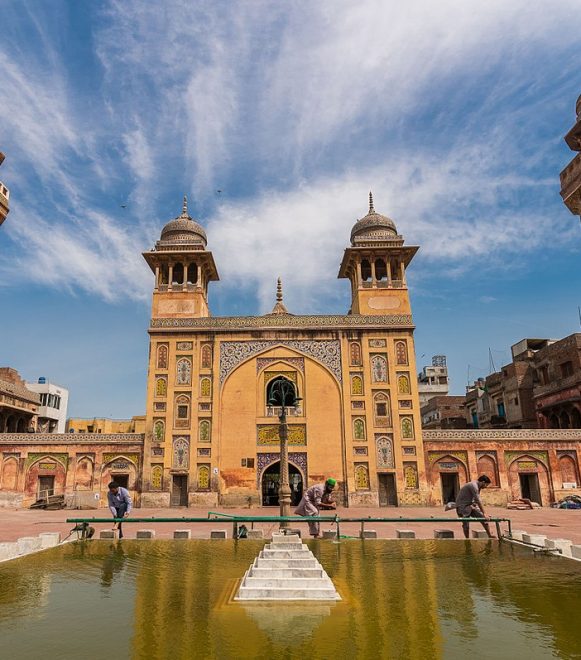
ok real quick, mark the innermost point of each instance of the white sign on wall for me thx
(568, 485)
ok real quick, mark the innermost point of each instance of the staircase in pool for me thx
(286, 570)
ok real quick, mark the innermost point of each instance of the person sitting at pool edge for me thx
(319, 496)
(119, 502)
(469, 504)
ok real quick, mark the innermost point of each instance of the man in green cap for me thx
(317, 497)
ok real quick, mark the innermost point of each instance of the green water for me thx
(401, 599)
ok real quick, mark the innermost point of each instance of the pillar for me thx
(170, 278)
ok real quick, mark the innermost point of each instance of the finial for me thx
(279, 290)
(185, 206)
(371, 209)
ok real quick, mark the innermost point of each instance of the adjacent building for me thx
(571, 175)
(433, 380)
(18, 405)
(52, 413)
(444, 412)
(104, 425)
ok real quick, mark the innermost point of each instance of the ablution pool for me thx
(400, 599)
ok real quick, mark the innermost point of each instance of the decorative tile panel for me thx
(332, 321)
(377, 343)
(233, 353)
(297, 362)
(184, 346)
(268, 434)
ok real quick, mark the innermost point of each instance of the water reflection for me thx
(412, 599)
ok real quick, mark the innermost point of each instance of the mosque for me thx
(353, 410)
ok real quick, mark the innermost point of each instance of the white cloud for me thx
(318, 101)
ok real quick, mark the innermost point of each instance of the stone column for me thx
(199, 275)
(156, 287)
(170, 278)
(388, 268)
(373, 277)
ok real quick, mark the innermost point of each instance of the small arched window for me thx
(407, 428)
(203, 477)
(379, 369)
(382, 409)
(380, 270)
(355, 353)
(161, 387)
(358, 429)
(356, 385)
(183, 372)
(192, 273)
(206, 356)
(401, 352)
(204, 431)
(162, 356)
(164, 274)
(361, 477)
(274, 392)
(385, 452)
(365, 270)
(178, 274)
(159, 430)
(156, 477)
(182, 411)
(205, 387)
(403, 384)
(181, 453)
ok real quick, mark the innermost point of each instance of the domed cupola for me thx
(183, 230)
(373, 227)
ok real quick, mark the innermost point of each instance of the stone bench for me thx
(443, 534)
(368, 534)
(405, 534)
(145, 534)
(109, 534)
(534, 539)
(255, 534)
(182, 534)
(563, 546)
(218, 534)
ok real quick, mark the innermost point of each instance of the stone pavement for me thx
(554, 523)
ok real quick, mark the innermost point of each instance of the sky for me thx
(452, 112)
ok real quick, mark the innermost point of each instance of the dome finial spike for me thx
(279, 290)
(371, 209)
(185, 206)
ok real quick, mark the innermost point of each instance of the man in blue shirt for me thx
(119, 503)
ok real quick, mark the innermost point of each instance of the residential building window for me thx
(566, 369)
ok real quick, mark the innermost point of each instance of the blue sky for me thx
(452, 112)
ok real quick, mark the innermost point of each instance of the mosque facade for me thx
(212, 432)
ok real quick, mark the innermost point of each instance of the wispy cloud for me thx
(296, 109)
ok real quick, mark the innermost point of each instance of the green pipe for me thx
(294, 519)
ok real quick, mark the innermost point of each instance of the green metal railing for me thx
(334, 520)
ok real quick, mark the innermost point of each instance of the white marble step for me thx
(281, 593)
(287, 583)
(287, 572)
(286, 538)
(304, 553)
(285, 546)
(260, 562)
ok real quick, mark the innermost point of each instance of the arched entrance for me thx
(271, 481)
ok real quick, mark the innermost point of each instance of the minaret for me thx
(571, 175)
(376, 265)
(183, 268)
